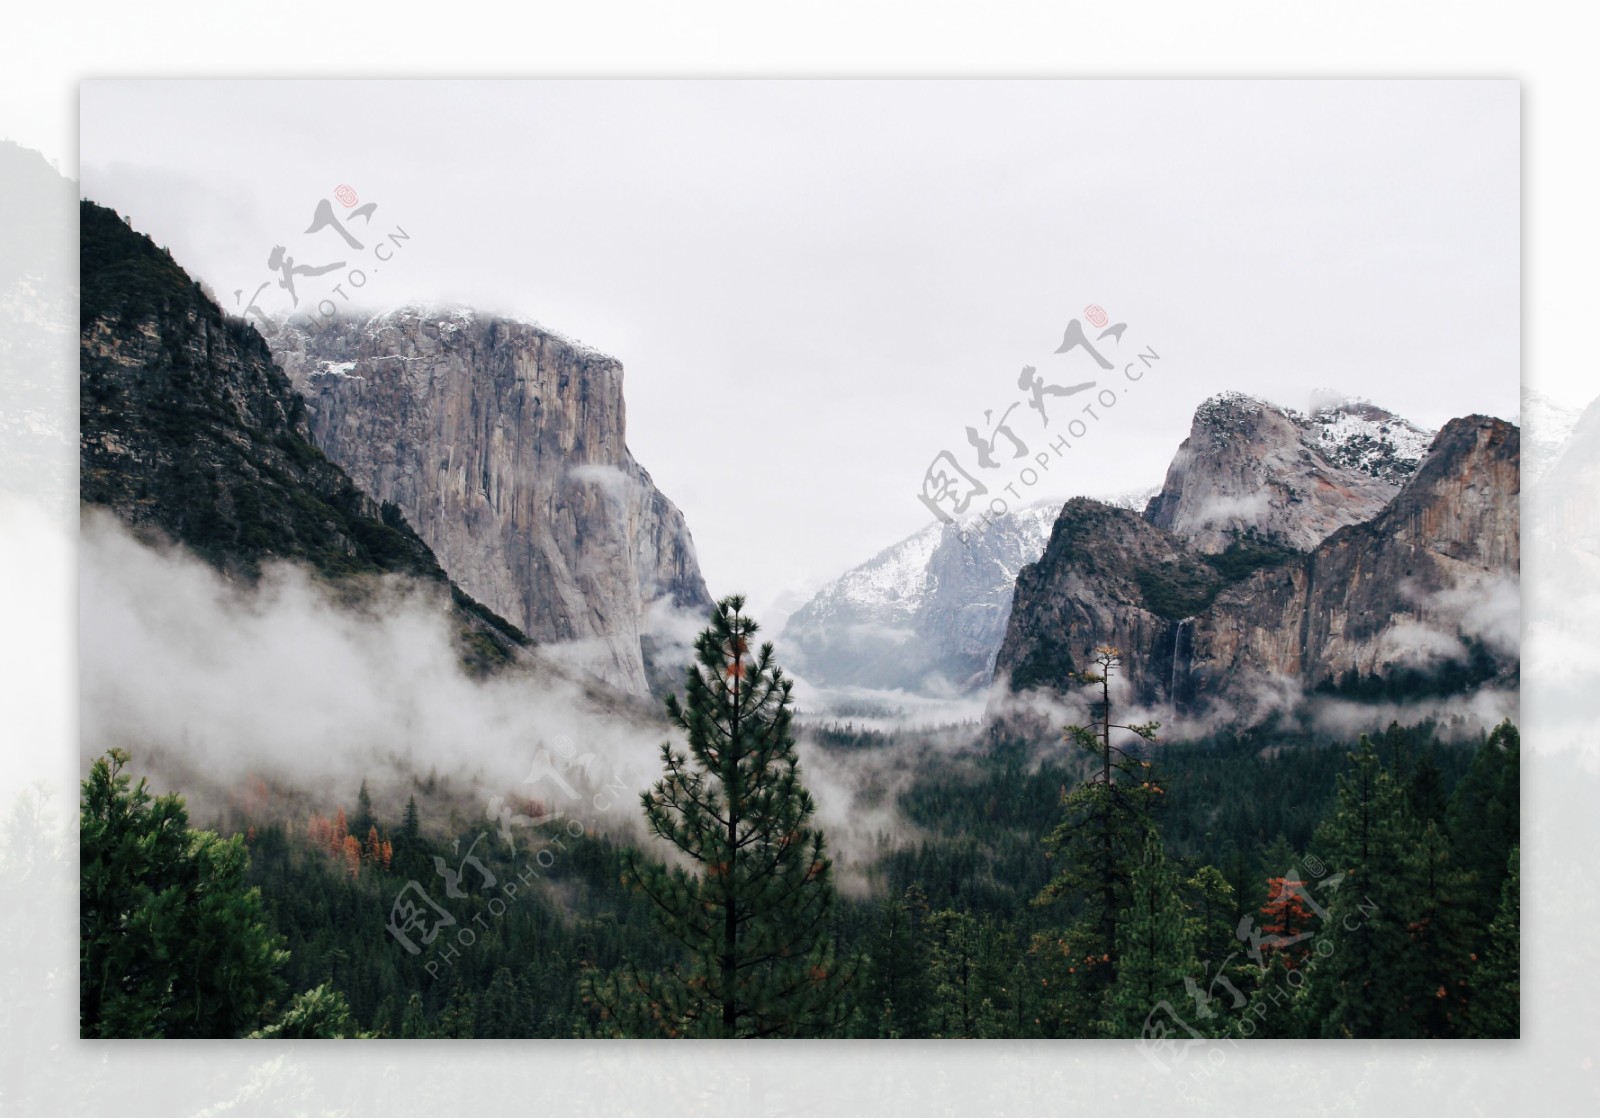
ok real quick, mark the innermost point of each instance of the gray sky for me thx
(835, 279)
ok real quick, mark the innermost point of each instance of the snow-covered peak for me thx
(1358, 435)
(927, 613)
(1350, 432)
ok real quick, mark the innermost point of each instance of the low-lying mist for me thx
(223, 690)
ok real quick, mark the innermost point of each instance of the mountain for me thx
(505, 445)
(189, 432)
(926, 614)
(1421, 598)
(1288, 477)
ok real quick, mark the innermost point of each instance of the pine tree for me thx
(1359, 990)
(1278, 859)
(408, 858)
(753, 914)
(1280, 1002)
(320, 1012)
(897, 979)
(1496, 1007)
(1439, 927)
(1425, 791)
(1102, 836)
(459, 1017)
(173, 942)
(363, 817)
(501, 1011)
(1155, 947)
(1286, 918)
(414, 1021)
(1485, 819)
(952, 971)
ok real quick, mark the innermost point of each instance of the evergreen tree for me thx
(1288, 920)
(1425, 793)
(321, 1012)
(1439, 927)
(753, 915)
(1360, 989)
(1281, 1002)
(459, 1018)
(408, 860)
(1213, 903)
(1102, 836)
(1155, 947)
(897, 980)
(172, 941)
(952, 969)
(1485, 819)
(1278, 859)
(1496, 1007)
(414, 1021)
(363, 820)
(501, 1012)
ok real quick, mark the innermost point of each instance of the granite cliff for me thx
(188, 432)
(1288, 477)
(1419, 597)
(505, 445)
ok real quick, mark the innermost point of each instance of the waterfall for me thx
(1177, 640)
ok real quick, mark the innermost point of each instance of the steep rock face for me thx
(924, 615)
(1249, 466)
(1107, 577)
(1433, 579)
(188, 431)
(504, 444)
(1428, 585)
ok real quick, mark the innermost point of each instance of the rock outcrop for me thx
(504, 444)
(1422, 596)
(1284, 476)
(189, 432)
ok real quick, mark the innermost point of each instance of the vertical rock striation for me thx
(504, 445)
(1423, 591)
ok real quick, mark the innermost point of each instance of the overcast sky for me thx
(836, 279)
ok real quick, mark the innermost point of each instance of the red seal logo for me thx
(347, 194)
(1093, 312)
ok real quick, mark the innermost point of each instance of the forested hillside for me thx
(1254, 885)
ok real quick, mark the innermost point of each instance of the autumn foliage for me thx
(1287, 919)
(333, 837)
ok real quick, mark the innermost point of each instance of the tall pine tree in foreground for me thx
(1098, 844)
(752, 913)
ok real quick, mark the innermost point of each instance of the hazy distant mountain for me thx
(926, 614)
